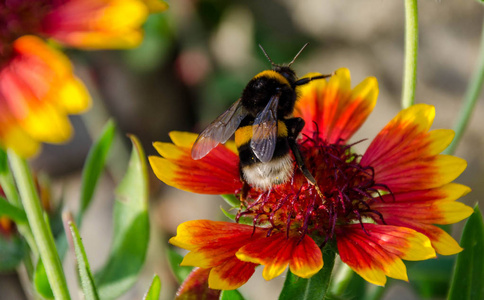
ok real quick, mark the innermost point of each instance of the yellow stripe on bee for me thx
(274, 75)
(243, 135)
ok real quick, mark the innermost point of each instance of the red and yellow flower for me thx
(99, 24)
(378, 208)
(38, 89)
(37, 92)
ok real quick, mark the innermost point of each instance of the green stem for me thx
(41, 231)
(8, 185)
(316, 287)
(470, 99)
(411, 53)
(341, 279)
(374, 292)
(328, 258)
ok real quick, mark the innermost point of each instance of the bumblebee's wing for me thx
(219, 131)
(264, 136)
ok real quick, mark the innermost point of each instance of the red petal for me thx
(333, 109)
(377, 252)
(231, 274)
(404, 154)
(307, 258)
(213, 245)
(441, 241)
(216, 173)
(277, 251)
(211, 242)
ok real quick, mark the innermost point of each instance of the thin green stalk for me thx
(470, 99)
(8, 185)
(41, 231)
(411, 53)
(316, 287)
(374, 292)
(341, 279)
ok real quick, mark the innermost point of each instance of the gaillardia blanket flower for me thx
(38, 89)
(376, 209)
(37, 92)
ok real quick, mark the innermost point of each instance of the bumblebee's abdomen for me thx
(264, 175)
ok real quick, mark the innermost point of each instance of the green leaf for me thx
(153, 292)
(231, 295)
(12, 251)
(87, 282)
(94, 166)
(41, 282)
(316, 287)
(131, 229)
(3, 161)
(468, 278)
(12, 212)
(227, 214)
(231, 200)
(180, 272)
(431, 278)
(242, 220)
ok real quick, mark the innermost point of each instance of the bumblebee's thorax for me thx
(267, 84)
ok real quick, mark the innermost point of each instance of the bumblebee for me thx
(265, 131)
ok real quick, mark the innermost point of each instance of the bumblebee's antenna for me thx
(297, 54)
(265, 53)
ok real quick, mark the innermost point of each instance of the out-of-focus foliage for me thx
(87, 280)
(468, 278)
(131, 229)
(153, 292)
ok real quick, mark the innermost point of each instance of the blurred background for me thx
(194, 62)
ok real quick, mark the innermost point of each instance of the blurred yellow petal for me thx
(48, 124)
(106, 40)
(21, 142)
(99, 24)
(73, 96)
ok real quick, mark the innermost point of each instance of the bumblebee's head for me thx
(287, 72)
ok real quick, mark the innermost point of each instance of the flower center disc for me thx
(348, 190)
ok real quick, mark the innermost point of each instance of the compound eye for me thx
(288, 76)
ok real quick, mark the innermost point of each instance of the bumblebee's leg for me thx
(245, 187)
(244, 192)
(306, 80)
(294, 127)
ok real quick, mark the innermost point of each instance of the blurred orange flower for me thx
(37, 92)
(38, 89)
